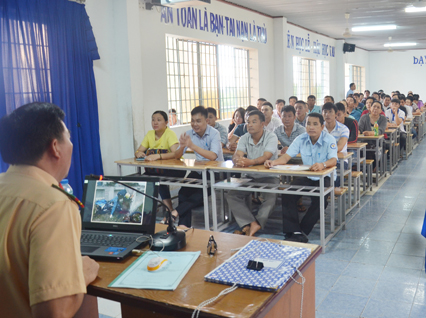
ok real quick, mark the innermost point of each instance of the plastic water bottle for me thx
(376, 129)
(66, 186)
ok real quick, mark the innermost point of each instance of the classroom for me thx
(163, 59)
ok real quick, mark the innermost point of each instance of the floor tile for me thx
(418, 311)
(377, 246)
(343, 304)
(354, 286)
(386, 309)
(410, 238)
(325, 280)
(420, 297)
(409, 249)
(384, 236)
(394, 291)
(388, 227)
(412, 228)
(395, 274)
(330, 266)
(406, 261)
(322, 314)
(371, 257)
(339, 253)
(364, 271)
(320, 294)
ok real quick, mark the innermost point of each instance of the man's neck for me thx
(201, 133)
(301, 118)
(311, 107)
(330, 126)
(267, 121)
(256, 136)
(314, 139)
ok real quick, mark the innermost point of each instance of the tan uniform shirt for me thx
(40, 231)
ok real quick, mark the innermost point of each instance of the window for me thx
(310, 77)
(355, 74)
(27, 62)
(211, 75)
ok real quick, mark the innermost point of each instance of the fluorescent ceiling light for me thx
(415, 9)
(399, 44)
(374, 28)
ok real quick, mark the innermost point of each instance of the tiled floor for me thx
(375, 268)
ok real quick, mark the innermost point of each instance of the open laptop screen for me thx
(112, 206)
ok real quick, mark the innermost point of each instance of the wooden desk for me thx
(392, 133)
(175, 164)
(358, 148)
(193, 289)
(379, 151)
(321, 191)
(225, 151)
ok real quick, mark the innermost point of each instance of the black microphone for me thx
(169, 240)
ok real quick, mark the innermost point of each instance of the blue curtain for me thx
(47, 53)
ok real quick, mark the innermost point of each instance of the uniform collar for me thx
(251, 142)
(319, 141)
(206, 133)
(33, 172)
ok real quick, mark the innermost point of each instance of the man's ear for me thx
(54, 149)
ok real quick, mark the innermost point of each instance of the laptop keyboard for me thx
(107, 239)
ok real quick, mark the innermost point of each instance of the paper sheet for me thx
(167, 277)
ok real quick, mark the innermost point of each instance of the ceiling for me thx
(328, 17)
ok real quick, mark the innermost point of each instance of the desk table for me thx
(242, 303)
(419, 121)
(392, 133)
(380, 169)
(175, 164)
(358, 148)
(321, 191)
(408, 125)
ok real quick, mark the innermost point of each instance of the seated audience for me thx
(211, 120)
(160, 144)
(288, 132)
(368, 105)
(239, 131)
(271, 123)
(237, 119)
(42, 271)
(259, 145)
(173, 121)
(376, 96)
(366, 126)
(402, 105)
(301, 112)
(352, 124)
(292, 100)
(328, 99)
(204, 140)
(366, 95)
(354, 112)
(386, 102)
(312, 108)
(396, 118)
(314, 141)
(279, 104)
(358, 103)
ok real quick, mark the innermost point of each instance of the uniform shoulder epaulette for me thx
(69, 195)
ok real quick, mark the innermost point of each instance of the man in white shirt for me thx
(271, 123)
(292, 100)
(396, 118)
(279, 104)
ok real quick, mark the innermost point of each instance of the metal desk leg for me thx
(206, 201)
(119, 169)
(378, 169)
(332, 202)
(322, 221)
(365, 170)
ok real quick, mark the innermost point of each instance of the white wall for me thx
(397, 71)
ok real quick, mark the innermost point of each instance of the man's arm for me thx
(398, 120)
(320, 166)
(341, 143)
(60, 307)
(203, 152)
(232, 143)
(245, 162)
(280, 161)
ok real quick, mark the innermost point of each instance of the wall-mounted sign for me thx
(302, 44)
(206, 21)
(419, 60)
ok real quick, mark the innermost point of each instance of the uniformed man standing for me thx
(319, 150)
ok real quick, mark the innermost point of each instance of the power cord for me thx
(224, 292)
(302, 283)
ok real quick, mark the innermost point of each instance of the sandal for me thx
(166, 221)
(245, 230)
(301, 208)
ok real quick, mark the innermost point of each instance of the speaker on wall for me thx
(347, 47)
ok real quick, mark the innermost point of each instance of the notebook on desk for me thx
(116, 219)
(280, 263)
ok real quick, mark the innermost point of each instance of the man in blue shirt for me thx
(318, 150)
(352, 88)
(204, 140)
(312, 108)
(352, 110)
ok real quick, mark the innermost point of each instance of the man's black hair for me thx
(367, 91)
(319, 116)
(258, 113)
(395, 100)
(162, 113)
(410, 98)
(172, 111)
(199, 110)
(268, 104)
(340, 107)
(28, 132)
(401, 97)
(280, 101)
(331, 97)
(292, 97)
(329, 106)
(353, 98)
(288, 109)
(312, 96)
(251, 108)
(376, 93)
(416, 96)
(300, 102)
(370, 97)
(350, 85)
(386, 96)
(262, 99)
(211, 110)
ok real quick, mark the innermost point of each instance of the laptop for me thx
(116, 219)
